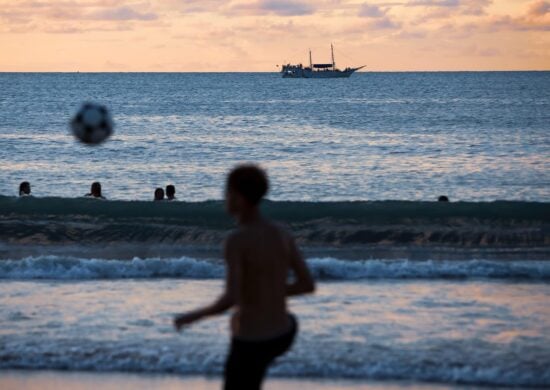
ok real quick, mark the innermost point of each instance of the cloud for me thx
(383, 24)
(105, 13)
(411, 34)
(275, 7)
(536, 18)
(196, 6)
(108, 10)
(434, 3)
(70, 17)
(287, 7)
(539, 8)
(12, 16)
(246, 7)
(463, 7)
(378, 19)
(508, 23)
(372, 11)
(79, 29)
(529, 21)
(121, 13)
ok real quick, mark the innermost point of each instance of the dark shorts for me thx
(248, 361)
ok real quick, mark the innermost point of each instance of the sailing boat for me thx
(317, 71)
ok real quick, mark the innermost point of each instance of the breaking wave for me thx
(60, 221)
(72, 268)
(330, 360)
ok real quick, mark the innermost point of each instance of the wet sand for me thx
(61, 380)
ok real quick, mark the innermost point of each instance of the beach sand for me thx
(60, 380)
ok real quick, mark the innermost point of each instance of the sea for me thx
(89, 285)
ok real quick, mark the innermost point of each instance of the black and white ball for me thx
(92, 124)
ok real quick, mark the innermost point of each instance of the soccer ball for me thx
(92, 124)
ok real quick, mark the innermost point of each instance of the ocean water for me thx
(482, 332)
(414, 291)
(375, 136)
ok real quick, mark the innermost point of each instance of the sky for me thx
(259, 35)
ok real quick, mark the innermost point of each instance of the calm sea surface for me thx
(472, 136)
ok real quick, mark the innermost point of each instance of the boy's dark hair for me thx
(170, 190)
(159, 191)
(250, 181)
(24, 185)
(96, 186)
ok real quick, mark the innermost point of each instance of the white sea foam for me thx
(73, 268)
(447, 362)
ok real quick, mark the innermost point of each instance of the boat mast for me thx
(332, 54)
(310, 63)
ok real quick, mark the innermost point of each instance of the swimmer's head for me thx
(95, 190)
(170, 192)
(24, 188)
(442, 198)
(159, 194)
(245, 188)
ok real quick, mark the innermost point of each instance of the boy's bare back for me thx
(261, 256)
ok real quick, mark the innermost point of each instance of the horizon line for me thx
(269, 72)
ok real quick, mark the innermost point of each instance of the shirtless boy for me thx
(258, 256)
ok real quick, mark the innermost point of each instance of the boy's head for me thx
(246, 186)
(24, 188)
(159, 194)
(96, 189)
(170, 191)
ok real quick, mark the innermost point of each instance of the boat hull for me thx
(324, 74)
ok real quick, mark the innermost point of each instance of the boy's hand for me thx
(184, 319)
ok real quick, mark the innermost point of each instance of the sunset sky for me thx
(257, 35)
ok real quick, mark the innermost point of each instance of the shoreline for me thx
(82, 380)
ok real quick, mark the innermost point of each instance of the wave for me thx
(212, 212)
(473, 362)
(71, 268)
(59, 221)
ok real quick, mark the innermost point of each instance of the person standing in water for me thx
(95, 191)
(25, 189)
(170, 192)
(259, 256)
(159, 194)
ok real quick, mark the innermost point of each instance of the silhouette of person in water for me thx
(170, 192)
(442, 198)
(95, 191)
(258, 257)
(159, 194)
(25, 189)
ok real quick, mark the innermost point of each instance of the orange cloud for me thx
(464, 7)
(37, 12)
(276, 7)
(536, 18)
(539, 8)
(378, 18)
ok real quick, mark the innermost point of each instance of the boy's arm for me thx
(303, 281)
(227, 299)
